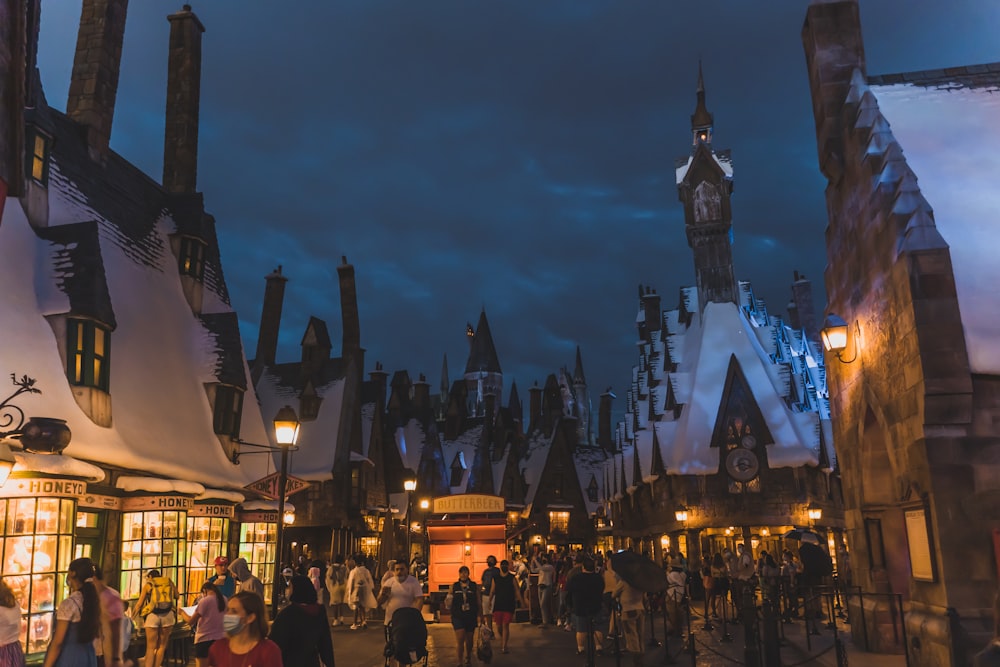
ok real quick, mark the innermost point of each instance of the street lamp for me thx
(409, 485)
(681, 514)
(286, 433)
(815, 512)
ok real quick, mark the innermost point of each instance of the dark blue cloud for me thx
(516, 155)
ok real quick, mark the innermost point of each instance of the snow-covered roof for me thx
(410, 439)
(56, 464)
(265, 506)
(957, 163)
(221, 494)
(589, 462)
(160, 349)
(532, 464)
(463, 449)
(722, 158)
(770, 355)
(156, 485)
(317, 443)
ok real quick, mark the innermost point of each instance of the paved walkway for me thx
(532, 646)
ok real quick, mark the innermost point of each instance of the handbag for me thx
(484, 650)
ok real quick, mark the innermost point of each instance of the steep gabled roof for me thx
(483, 354)
(317, 334)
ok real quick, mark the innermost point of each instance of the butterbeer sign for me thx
(469, 503)
(268, 486)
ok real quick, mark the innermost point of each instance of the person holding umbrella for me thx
(630, 601)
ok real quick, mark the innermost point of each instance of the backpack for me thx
(161, 597)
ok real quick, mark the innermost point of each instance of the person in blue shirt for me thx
(223, 580)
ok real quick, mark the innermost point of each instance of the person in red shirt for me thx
(246, 641)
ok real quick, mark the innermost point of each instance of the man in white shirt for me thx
(403, 590)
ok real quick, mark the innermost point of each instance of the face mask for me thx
(233, 624)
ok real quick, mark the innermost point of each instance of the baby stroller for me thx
(406, 637)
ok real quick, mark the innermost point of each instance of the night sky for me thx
(516, 155)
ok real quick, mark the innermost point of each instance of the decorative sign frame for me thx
(918, 531)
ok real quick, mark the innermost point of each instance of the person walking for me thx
(11, 654)
(674, 598)
(584, 594)
(207, 621)
(489, 575)
(630, 602)
(466, 614)
(78, 620)
(336, 586)
(156, 603)
(390, 572)
(246, 642)
(720, 584)
(223, 580)
(108, 645)
(403, 590)
(247, 582)
(359, 593)
(505, 598)
(546, 585)
(302, 630)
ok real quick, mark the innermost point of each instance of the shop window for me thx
(592, 489)
(192, 257)
(207, 538)
(513, 518)
(228, 410)
(37, 550)
(558, 522)
(369, 546)
(38, 160)
(359, 491)
(374, 522)
(89, 355)
(257, 546)
(152, 540)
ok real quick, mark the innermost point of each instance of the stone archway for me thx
(884, 524)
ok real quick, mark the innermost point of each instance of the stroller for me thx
(406, 637)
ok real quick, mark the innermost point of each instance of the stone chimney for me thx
(651, 308)
(534, 406)
(270, 319)
(17, 37)
(831, 37)
(349, 309)
(421, 395)
(605, 438)
(180, 139)
(805, 314)
(94, 82)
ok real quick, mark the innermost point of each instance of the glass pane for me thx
(22, 518)
(171, 527)
(48, 515)
(98, 343)
(20, 587)
(65, 549)
(153, 522)
(43, 589)
(17, 555)
(40, 630)
(44, 559)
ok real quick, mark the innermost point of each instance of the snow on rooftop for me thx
(157, 344)
(410, 440)
(464, 449)
(951, 140)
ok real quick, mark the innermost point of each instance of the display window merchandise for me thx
(207, 538)
(258, 540)
(152, 539)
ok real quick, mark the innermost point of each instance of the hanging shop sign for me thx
(28, 487)
(268, 486)
(147, 503)
(95, 501)
(213, 509)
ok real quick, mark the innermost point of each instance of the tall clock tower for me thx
(704, 186)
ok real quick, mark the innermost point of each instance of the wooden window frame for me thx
(85, 367)
(226, 420)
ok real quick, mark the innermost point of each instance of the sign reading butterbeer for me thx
(268, 486)
(44, 487)
(468, 504)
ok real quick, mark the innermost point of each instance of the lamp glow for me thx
(286, 426)
(289, 518)
(681, 514)
(815, 513)
(425, 504)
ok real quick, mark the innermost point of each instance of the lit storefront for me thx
(154, 530)
(259, 537)
(208, 527)
(38, 518)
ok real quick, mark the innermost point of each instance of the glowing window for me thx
(89, 354)
(558, 522)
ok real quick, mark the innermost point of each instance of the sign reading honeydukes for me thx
(470, 503)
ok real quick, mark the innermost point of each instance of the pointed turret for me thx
(578, 376)
(445, 385)
(582, 400)
(482, 371)
(701, 119)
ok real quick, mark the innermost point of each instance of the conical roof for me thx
(578, 377)
(483, 354)
(701, 118)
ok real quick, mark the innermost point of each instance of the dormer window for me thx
(228, 410)
(38, 160)
(89, 354)
(592, 489)
(192, 257)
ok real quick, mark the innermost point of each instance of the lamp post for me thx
(409, 485)
(286, 433)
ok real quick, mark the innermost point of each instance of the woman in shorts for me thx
(207, 621)
(465, 614)
(506, 598)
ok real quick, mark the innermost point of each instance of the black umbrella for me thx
(800, 533)
(639, 572)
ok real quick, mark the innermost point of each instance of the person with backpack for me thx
(156, 604)
(489, 575)
(336, 586)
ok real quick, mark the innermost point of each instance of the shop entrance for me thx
(89, 535)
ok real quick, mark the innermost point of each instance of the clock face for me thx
(749, 441)
(742, 465)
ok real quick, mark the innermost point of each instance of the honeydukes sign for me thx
(470, 503)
